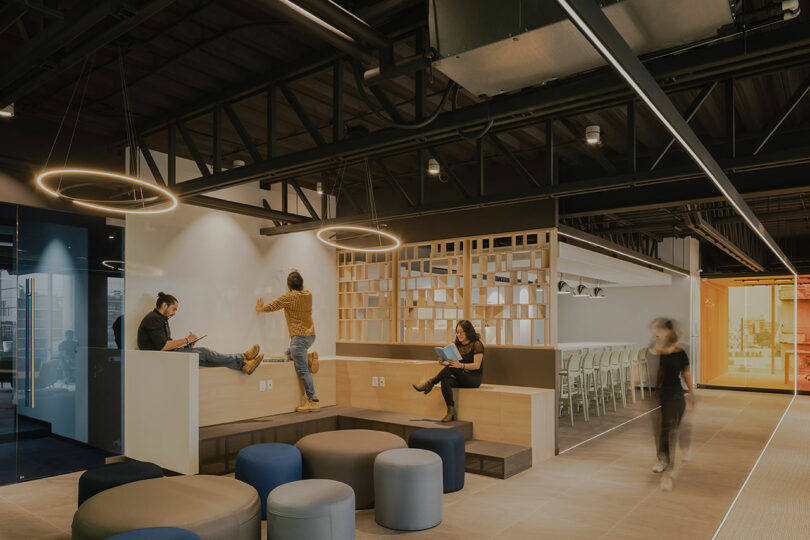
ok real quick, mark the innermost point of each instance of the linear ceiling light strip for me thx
(581, 236)
(588, 17)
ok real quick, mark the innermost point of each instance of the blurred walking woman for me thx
(464, 374)
(673, 365)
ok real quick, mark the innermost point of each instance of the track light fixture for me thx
(581, 291)
(597, 292)
(319, 188)
(7, 112)
(563, 287)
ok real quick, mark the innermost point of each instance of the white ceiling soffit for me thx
(611, 272)
(559, 50)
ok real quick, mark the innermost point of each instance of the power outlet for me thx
(382, 381)
(262, 386)
(269, 384)
(375, 381)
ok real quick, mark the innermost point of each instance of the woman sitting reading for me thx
(466, 373)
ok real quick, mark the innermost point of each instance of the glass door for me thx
(62, 292)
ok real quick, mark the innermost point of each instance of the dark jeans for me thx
(673, 406)
(456, 378)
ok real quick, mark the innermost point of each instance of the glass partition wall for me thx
(61, 299)
(748, 333)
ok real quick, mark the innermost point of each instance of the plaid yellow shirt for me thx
(297, 306)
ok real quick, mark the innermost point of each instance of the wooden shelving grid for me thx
(510, 289)
(501, 282)
(431, 291)
(365, 296)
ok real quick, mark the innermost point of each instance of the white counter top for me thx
(595, 345)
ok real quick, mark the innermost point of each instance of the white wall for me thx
(624, 314)
(217, 264)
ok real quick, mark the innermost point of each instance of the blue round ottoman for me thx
(156, 533)
(115, 474)
(449, 444)
(267, 466)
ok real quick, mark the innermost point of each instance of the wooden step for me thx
(220, 444)
(497, 459)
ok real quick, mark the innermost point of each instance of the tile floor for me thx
(570, 435)
(602, 489)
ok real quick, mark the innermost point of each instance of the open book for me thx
(448, 353)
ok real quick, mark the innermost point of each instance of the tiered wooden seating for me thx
(227, 395)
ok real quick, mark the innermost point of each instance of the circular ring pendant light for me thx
(347, 228)
(118, 186)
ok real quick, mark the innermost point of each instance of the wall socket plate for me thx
(262, 386)
(269, 384)
(382, 381)
(375, 381)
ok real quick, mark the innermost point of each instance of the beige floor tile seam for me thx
(747, 514)
(693, 450)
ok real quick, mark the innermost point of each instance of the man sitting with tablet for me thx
(154, 335)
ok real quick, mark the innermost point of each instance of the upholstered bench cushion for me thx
(347, 456)
(267, 466)
(214, 507)
(317, 509)
(156, 533)
(115, 474)
(408, 489)
(450, 446)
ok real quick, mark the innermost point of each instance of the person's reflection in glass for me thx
(116, 328)
(67, 357)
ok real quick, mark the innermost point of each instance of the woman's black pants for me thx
(450, 378)
(672, 409)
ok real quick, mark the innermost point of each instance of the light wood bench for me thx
(510, 414)
(507, 414)
(227, 395)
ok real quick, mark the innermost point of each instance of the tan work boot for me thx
(249, 366)
(451, 415)
(310, 406)
(312, 360)
(251, 353)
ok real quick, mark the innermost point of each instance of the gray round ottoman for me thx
(408, 488)
(347, 456)
(322, 509)
(214, 507)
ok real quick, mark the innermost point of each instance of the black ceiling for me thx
(190, 65)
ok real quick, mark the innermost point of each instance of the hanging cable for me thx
(358, 80)
(64, 116)
(79, 111)
(471, 136)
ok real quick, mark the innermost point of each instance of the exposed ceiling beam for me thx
(588, 17)
(703, 228)
(38, 50)
(542, 102)
(244, 209)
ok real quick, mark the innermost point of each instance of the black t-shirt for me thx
(153, 332)
(468, 353)
(671, 366)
